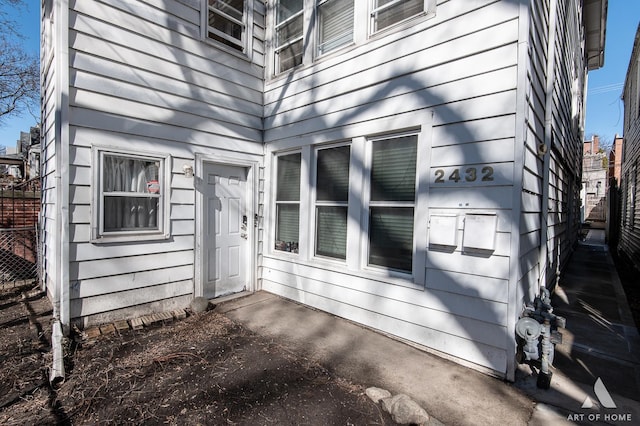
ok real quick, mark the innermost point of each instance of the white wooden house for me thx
(411, 165)
(630, 178)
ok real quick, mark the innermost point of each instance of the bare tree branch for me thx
(19, 70)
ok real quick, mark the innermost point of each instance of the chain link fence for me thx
(19, 211)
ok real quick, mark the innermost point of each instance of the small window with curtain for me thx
(130, 200)
(335, 24)
(289, 33)
(288, 202)
(385, 13)
(392, 202)
(332, 196)
(226, 22)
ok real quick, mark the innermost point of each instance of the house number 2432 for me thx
(470, 174)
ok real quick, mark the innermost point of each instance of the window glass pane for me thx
(287, 227)
(393, 169)
(233, 8)
(335, 24)
(332, 178)
(391, 237)
(289, 31)
(122, 174)
(226, 26)
(226, 18)
(288, 188)
(288, 202)
(394, 13)
(290, 57)
(130, 213)
(331, 232)
(288, 8)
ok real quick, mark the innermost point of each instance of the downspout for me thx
(521, 107)
(545, 148)
(61, 317)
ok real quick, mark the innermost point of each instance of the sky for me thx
(605, 112)
(604, 104)
(28, 20)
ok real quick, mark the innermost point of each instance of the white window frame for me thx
(318, 5)
(98, 234)
(428, 9)
(246, 24)
(362, 29)
(357, 207)
(299, 202)
(315, 203)
(278, 48)
(368, 203)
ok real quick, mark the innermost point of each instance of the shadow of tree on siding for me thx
(386, 92)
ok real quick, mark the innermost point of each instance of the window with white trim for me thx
(226, 23)
(289, 33)
(392, 197)
(385, 13)
(384, 212)
(332, 196)
(335, 24)
(304, 30)
(288, 202)
(130, 199)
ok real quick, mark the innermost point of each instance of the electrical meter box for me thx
(480, 231)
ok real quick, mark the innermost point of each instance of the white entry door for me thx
(225, 239)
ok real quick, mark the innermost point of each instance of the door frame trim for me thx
(202, 160)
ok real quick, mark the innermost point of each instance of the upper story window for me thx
(226, 22)
(289, 34)
(385, 13)
(335, 24)
(307, 29)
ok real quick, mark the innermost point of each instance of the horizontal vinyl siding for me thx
(48, 235)
(630, 201)
(460, 66)
(427, 319)
(142, 78)
(533, 170)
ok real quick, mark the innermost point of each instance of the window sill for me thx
(221, 46)
(110, 239)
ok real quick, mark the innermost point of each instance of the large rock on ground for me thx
(404, 410)
(377, 394)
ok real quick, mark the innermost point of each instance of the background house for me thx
(630, 182)
(408, 165)
(595, 182)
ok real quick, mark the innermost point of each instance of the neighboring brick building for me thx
(615, 159)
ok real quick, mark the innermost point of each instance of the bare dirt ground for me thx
(204, 369)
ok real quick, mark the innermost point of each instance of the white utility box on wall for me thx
(480, 231)
(443, 230)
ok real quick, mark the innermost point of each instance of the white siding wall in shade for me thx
(48, 233)
(142, 78)
(630, 182)
(533, 170)
(461, 66)
(567, 136)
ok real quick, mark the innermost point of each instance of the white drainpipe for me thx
(545, 149)
(57, 369)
